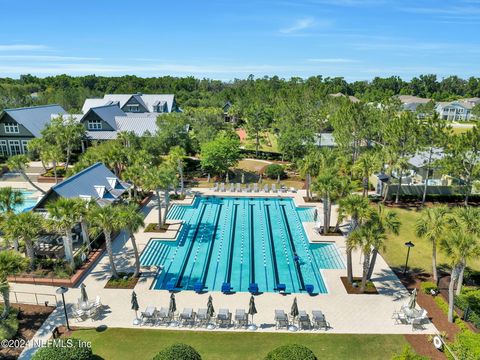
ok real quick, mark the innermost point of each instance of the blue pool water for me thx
(241, 241)
(30, 199)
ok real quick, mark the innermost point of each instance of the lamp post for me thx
(61, 291)
(409, 245)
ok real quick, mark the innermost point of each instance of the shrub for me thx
(65, 349)
(178, 352)
(408, 354)
(466, 346)
(274, 170)
(291, 352)
(428, 286)
(9, 326)
(470, 299)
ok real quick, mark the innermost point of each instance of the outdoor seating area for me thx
(410, 315)
(87, 309)
(251, 188)
(302, 321)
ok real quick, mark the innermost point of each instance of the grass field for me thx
(268, 142)
(144, 344)
(421, 254)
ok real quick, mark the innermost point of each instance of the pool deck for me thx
(355, 314)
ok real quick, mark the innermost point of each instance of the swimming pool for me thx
(235, 242)
(30, 199)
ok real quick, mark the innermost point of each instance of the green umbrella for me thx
(294, 310)
(83, 294)
(173, 305)
(252, 310)
(135, 307)
(413, 299)
(210, 309)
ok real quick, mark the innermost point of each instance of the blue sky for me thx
(356, 39)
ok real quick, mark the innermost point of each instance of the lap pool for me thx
(239, 244)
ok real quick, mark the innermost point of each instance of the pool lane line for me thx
(206, 267)
(272, 245)
(290, 238)
(252, 245)
(190, 248)
(232, 242)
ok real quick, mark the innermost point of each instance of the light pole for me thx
(409, 245)
(61, 291)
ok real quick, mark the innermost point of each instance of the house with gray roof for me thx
(19, 126)
(136, 103)
(96, 183)
(458, 110)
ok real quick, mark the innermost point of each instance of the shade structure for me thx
(83, 293)
(252, 310)
(173, 304)
(412, 303)
(134, 301)
(294, 309)
(210, 309)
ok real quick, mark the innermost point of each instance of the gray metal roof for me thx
(35, 118)
(137, 124)
(421, 158)
(102, 135)
(325, 139)
(107, 113)
(90, 182)
(147, 100)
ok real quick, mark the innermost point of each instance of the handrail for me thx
(36, 295)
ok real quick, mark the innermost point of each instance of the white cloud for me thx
(21, 47)
(299, 25)
(46, 58)
(332, 60)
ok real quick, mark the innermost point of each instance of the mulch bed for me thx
(121, 283)
(369, 290)
(153, 228)
(30, 318)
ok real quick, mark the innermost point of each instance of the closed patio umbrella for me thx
(173, 304)
(135, 308)
(252, 310)
(210, 312)
(294, 313)
(227, 179)
(412, 303)
(83, 293)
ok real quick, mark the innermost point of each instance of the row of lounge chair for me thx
(189, 318)
(303, 320)
(222, 187)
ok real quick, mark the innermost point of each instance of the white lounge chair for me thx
(248, 188)
(222, 187)
(238, 187)
(232, 187)
(274, 188)
(215, 187)
(265, 188)
(281, 319)
(255, 187)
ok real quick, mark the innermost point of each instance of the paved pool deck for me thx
(347, 314)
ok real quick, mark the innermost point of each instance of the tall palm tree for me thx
(81, 210)
(20, 163)
(9, 199)
(106, 219)
(25, 227)
(358, 209)
(458, 246)
(132, 220)
(11, 263)
(309, 165)
(63, 217)
(468, 219)
(431, 225)
(53, 154)
(176, 156)
(327, 185)
(387, 222)
(365, 165)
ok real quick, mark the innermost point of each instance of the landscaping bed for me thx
(30, 318)
(125, 281)
(370, 289)
(154, 228)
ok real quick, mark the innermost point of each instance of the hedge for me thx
(178, 352)
(408, 354)
(470, 298)
(466, 346)
(9, 326)
(65, 349)
(273, 171)
(428, 286)
(291, 352)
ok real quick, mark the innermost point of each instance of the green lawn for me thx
(142, 344)
(268, 142)
(421, 254)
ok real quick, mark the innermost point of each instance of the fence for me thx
(21, 297)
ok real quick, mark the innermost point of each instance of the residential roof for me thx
(102, 135)
(410, 99)
(137, 124)
(35, 118)
(352, 98)
(325, 139)
(421, 158)
(146, 100)
(96, 182)
(107, 113)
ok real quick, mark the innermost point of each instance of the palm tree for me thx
(63, 217)
(458, 246)
(309, 165)
(431, 225)
(20, 163)
(468, 219)
(365, 165)
(81, 209)
(106, 219)
(387, 222)
(176, 156)
(132, 220)
(11, 263)
(327, 185)
(9, 199)
(358, 209)
(52, 154)
(24, 227)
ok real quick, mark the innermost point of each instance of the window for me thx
(11, 128)
(3, 148)
(133, 108)
(25, 146)
(94, 125)
(14, 146)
